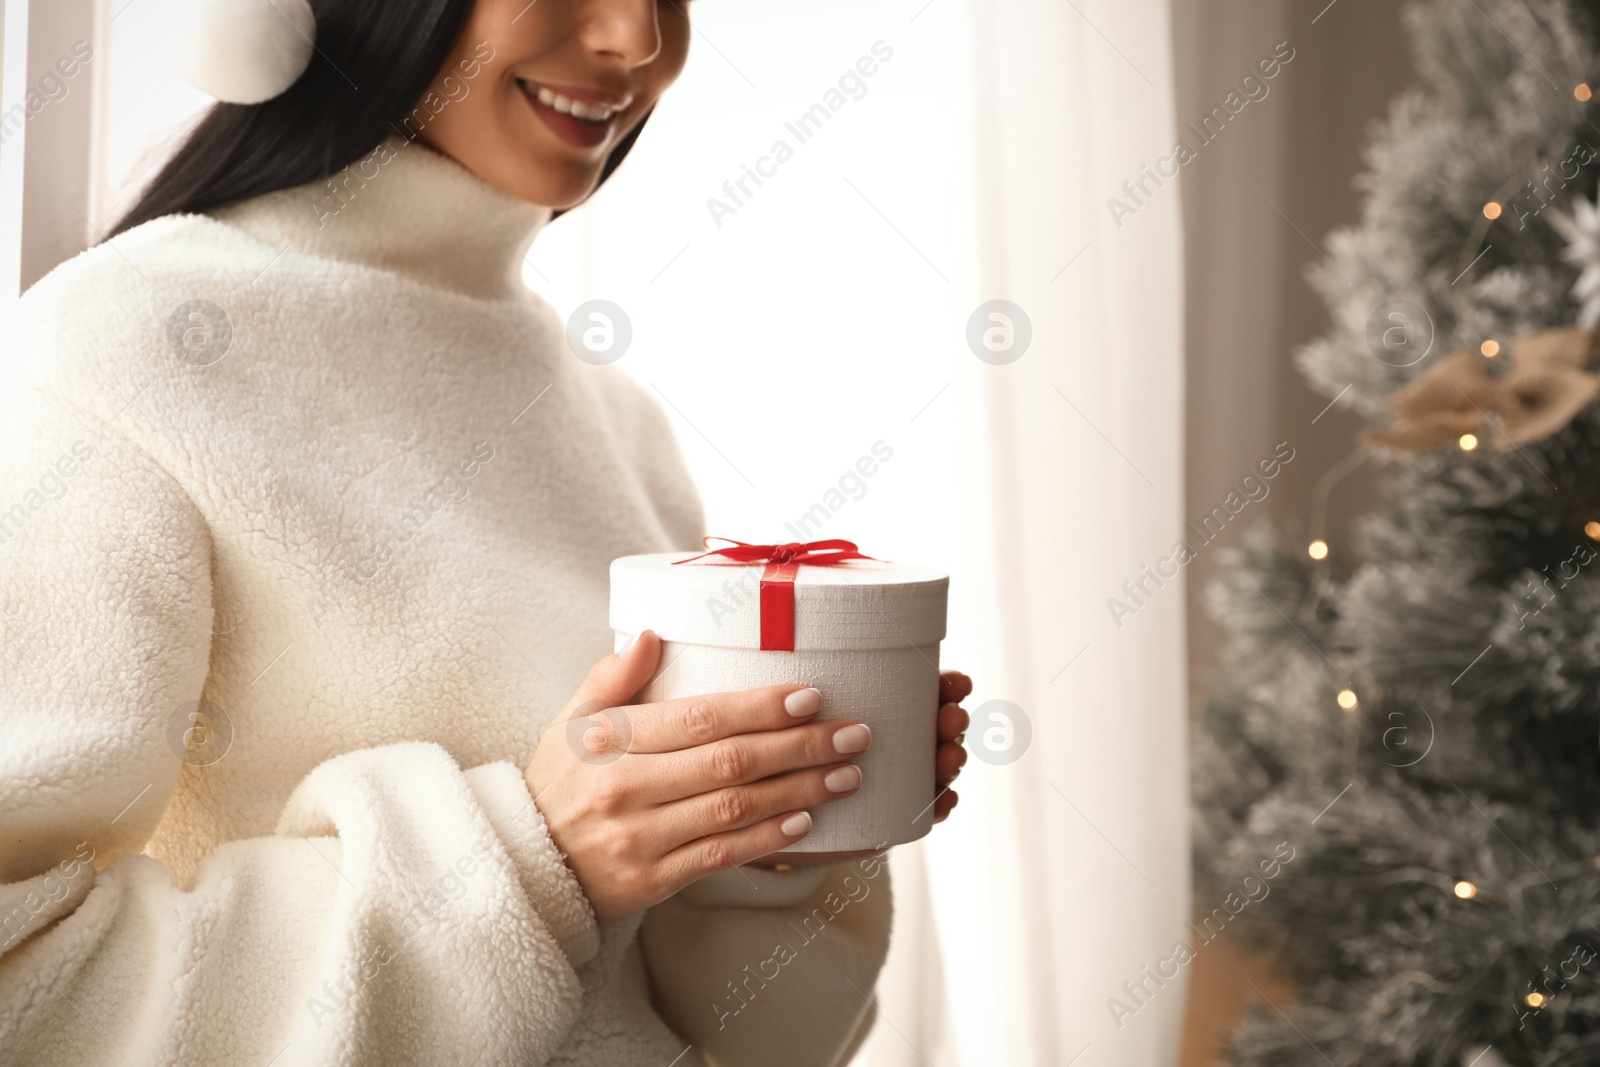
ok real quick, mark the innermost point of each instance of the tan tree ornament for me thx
(1549, 379)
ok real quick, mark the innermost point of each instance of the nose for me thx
(625, 31)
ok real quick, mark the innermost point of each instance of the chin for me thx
(560, 191)
(562, 199)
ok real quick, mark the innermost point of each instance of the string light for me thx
(1347, 699)
(783, 866)
(1491, 210)
(1582, 91)
(1466, 890)
(1593, 530)
(1468, 442)
(1317, 549)
(1534, 1000)
(1490, 348)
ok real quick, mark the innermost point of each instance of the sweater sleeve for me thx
(760, 967)
(402, 912)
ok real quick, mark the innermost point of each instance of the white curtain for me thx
(1067, 870)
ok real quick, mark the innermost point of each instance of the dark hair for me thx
(373, 62)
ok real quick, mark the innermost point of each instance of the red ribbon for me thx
(777, 580)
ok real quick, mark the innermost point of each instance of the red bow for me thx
(777, 580)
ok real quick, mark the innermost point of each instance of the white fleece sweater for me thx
(279, 631)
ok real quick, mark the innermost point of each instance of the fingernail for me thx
(843, 779)
(803, 703)
(797, 824)
(852, 739)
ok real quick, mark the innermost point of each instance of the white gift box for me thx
(865, 632)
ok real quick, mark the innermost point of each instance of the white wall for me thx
(47, 94)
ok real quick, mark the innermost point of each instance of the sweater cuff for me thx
(755, 887)
(551, 886)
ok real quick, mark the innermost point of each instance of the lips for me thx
(580, 117)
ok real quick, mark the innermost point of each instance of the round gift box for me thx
(866, 633)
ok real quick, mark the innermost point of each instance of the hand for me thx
(645, 799)
(948, 760)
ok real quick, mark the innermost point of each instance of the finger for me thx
(751, 757)
(954, 687)
(739, 806)
(672, 725)
(790, 860)
(717, 852)
(953, 720)
(948, 762)
(615, 679)
(943, 806)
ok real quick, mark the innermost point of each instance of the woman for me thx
(312, 546)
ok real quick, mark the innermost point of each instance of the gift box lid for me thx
(860, 603)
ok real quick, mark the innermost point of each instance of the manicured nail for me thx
(843, 779)
(803, 703)
(852, 739)
(797, 824)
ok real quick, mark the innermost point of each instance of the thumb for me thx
(614, 679)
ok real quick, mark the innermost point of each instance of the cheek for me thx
(491, 112)
(499, 103)
(674, 51)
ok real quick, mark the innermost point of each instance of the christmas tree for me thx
(1422, 728)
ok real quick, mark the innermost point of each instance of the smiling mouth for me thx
(584, 111)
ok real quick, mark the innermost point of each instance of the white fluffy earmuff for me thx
(246, 51)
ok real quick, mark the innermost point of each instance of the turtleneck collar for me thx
(406, 208)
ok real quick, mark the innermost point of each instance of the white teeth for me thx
(576, 108)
